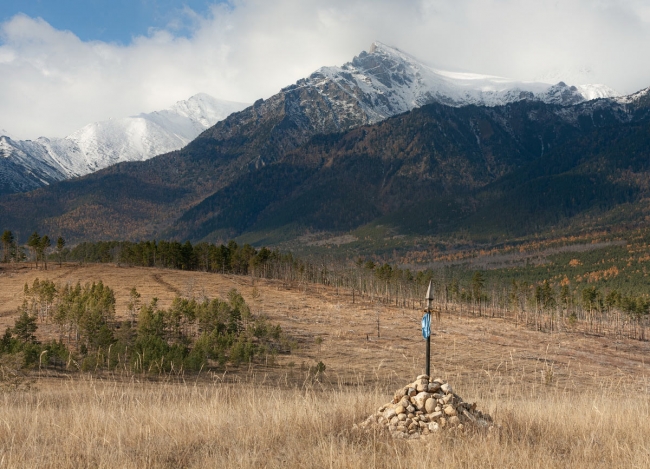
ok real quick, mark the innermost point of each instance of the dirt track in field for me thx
(474, 349)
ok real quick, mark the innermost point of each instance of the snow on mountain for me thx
(591, 92)
(388, 81)
(24, 166)
(375, 85)
(105, 143)
(642, 95)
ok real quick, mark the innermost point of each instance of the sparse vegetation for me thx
(190, 335)
(551, 394)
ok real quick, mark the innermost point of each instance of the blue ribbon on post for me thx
(426, 325)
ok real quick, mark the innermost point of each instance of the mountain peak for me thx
(386, 81)
(462, 88)
(378, 46)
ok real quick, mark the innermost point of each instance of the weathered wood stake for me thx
(429, 299)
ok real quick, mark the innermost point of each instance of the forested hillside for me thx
(514, 169)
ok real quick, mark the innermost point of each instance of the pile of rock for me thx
(424, 407)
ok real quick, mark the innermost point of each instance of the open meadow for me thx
(561, 399)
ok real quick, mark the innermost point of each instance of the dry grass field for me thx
(562, 400)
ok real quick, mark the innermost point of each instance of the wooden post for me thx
(429, 299)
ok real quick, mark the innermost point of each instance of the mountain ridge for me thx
(310, 157)
(101, 144)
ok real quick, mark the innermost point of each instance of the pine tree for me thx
(7, 244)
(34, 243)
(478, 282)
(60, 244)
(42, 247)
(25, 327)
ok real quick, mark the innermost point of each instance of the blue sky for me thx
(67, 63)
(108, 20)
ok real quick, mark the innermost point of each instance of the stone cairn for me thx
(424, 407)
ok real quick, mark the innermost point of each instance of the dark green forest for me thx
(487, 173)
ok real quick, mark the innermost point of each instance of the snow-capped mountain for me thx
(29, 164)
(375, 85)
(387, 81)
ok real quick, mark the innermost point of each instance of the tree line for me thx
(544, 305)
(37, 247)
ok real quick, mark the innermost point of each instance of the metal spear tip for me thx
(430, 291)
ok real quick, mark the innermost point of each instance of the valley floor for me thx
(562, 399)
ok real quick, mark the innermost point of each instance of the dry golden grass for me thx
(89, 423)
(562, 400)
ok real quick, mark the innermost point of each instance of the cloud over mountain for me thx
(51, 82)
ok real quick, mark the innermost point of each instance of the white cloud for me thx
(51, 82)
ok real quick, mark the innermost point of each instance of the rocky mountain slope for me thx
(28, 164)
(448, 158)
(436, 155)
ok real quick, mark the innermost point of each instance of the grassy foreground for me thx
(86, 422)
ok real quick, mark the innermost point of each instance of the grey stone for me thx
(434, 427)
(433, 387)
